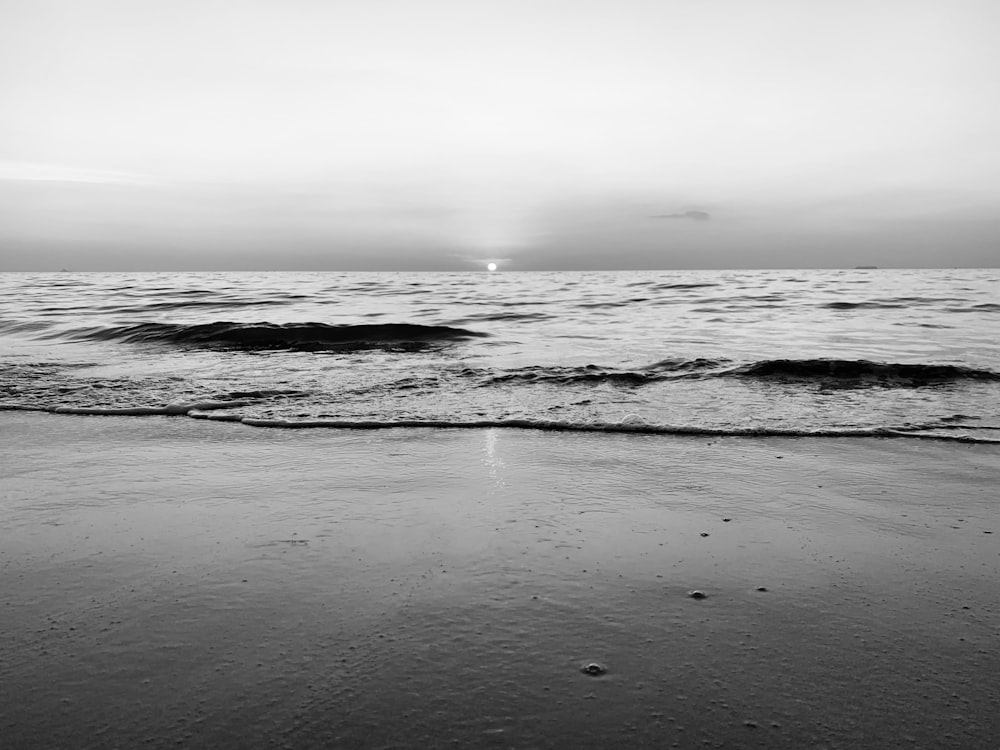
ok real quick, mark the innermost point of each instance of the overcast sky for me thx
(442, 134)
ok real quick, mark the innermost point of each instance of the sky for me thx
(538, 134)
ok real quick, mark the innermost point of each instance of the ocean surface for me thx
(900, 353)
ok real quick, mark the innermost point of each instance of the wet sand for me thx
(173, 582)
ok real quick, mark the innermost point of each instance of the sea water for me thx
(902, 353)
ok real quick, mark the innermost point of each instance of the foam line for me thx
(145, 411)
(645, 429)
(203, 410)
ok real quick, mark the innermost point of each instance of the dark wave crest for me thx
(299, 336)
(870, 305)
(841, 372)
(884, 373)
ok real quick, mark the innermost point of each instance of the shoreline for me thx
(169, 582)
(211, 411)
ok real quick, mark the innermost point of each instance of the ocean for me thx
(885, 352)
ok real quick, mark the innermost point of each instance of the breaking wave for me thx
(667, 369)
(841, 371)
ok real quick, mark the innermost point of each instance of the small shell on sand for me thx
(594, 669)
(696, 594)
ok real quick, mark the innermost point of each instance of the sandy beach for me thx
(174, 582)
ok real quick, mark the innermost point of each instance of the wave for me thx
(23, 326)
(873, 305)
(692, 285)
(840, 371)
(664, 370)
(846, 370)
(630, 425)
(200, 303)
(983, 307)
(946, 304)
(299, 336)
(666, 286)
(569, 375)
(505, 316)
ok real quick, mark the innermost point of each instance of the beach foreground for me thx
(173, 582)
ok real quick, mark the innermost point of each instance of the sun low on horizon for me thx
(400, 135)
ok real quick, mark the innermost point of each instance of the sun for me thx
(491, 266)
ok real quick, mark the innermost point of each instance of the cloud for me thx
(692, 215)
(24, 171)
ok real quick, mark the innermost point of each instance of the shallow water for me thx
(913, 352)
